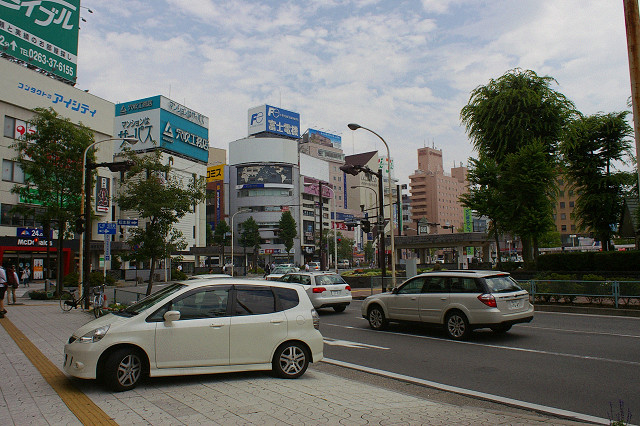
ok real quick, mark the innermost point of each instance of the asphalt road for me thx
(580, 363)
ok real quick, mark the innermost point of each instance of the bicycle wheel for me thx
(66, 301)
(97, 305)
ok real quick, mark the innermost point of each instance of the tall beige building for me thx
(435, 194)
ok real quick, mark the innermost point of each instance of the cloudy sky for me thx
(403, 68)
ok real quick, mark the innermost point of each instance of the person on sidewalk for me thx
(3, 289)
(12, 283)
(26, 273)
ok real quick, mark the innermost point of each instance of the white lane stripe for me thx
(476, 394)
(510, 348)
(349, 344)
(633, 336)
(586, 315)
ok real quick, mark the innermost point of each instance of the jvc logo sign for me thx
(256, 118)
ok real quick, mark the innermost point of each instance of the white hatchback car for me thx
(325, 289)
(461, 301)
(197, 327)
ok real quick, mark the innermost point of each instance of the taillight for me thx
(316, 319)
(348, 288)
(319, 289)
(488, 300)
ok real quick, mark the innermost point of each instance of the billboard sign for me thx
(103, 194)
(215, 173)
(158, 122)
(43, 33)
(277, 175)
(269, 119)
(324, 138)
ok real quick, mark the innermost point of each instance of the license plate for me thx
(335, 292)
(516, 304)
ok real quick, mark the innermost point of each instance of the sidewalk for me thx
(34, 390)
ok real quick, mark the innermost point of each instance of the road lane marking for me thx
(586, 315)
(468, 392)
(348, 344)
(633, 336)
(511, 348)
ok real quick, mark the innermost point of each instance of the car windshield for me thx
(329, 279)
(502, 284)
(282, 270)
(150, 300)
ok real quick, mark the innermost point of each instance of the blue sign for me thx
(269, 119)
(127, 222)
(107, 228)
(30, 233)
(324, 138)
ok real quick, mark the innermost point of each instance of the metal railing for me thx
(582, 291)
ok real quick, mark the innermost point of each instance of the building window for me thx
(573, 227)
(560, 193)
(9, 126)
(12, 172)
(562, 204)
(564, 227)
(563, 216)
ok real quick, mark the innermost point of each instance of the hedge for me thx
(590, 261)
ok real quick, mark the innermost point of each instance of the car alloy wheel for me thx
(376, 317)
(457, 326)
(123, 370)
(290, 361)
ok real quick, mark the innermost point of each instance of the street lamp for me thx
(354, 127)
(354, 169)
(332, 210)
(232, 216)
(86, 194)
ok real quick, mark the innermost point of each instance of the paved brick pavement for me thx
(34, 393)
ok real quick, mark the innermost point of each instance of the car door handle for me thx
(216, 325)
(277, 321)
(443, 298)
(414, 298)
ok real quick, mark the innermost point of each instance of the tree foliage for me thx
(591, 147)
(288, 231)
(161, 199)
(51, 159)
(221, 237)
(250, 237)
(516, 121)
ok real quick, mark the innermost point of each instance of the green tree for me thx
(250, 237)
(288, 230)
(592, 145)
(368, 252)
(222, 237)
(510, 113)
(161, 199)
(51, 159)
(485, 194)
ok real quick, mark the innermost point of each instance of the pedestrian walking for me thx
(26, 274)
(267, 270)
(12, 283)
(306, 266)
(3, 290)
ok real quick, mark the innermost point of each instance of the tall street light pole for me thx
(232, 216)
(84, 193)
(354, 170)
(354, 127)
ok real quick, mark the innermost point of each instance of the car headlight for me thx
(94, 335)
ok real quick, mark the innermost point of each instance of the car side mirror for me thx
(170, 316)
(394, 290)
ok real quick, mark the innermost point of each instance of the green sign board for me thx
(468, 220)
(43, 33)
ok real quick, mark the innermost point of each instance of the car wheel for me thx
(290, 361)
(123, 370)
(503, 328)
(456, 325)
(376, 318)
(339, 308)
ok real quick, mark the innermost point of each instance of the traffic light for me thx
(366, 226)
(339, 240)
(79, 225)
(122, 232)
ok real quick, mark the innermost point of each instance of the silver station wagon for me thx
(460, 301)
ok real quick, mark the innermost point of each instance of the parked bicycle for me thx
(68, 300)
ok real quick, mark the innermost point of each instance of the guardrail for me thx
(579, 291)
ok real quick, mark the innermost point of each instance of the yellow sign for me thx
(215, 173)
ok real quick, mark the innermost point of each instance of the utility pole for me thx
(322, 263)
(632, 24)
